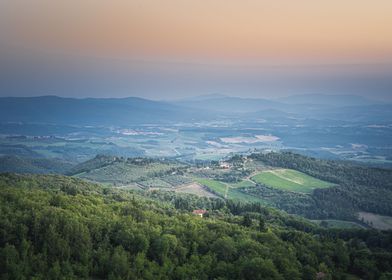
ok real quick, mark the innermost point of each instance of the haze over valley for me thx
(211, 140)
(209, 127)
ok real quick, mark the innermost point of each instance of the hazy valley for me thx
(139, 189)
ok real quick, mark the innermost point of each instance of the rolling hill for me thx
(92, 111)
(312, 188)
(18, 164)
(139, 111)
(55, 227)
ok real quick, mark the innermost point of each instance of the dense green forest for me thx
(357, 187)
(18, 164)
(56, 227)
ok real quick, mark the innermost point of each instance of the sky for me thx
(177, 48)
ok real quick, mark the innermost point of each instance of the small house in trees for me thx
(224, 165)
(320, 275)
(199, 212)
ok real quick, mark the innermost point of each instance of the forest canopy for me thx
(57, 227)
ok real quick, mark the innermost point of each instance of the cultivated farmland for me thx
(290, 180)
(226, 191)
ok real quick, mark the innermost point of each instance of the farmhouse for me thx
(224, 165)
(199, 212)
(320, 275)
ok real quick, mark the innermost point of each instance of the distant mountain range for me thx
(337, 100)
(92, 111)
(229, 104)
(134, 110)
(313, 106)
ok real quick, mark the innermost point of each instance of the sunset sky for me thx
(223, 32)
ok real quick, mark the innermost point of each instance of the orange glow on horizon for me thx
(215, 28)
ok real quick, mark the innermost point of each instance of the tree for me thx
(247, 220)
(324, 224)
(259, 269)
(261, 224)
(119, 264)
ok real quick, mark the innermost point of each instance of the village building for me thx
(199, 212)
(224, 165)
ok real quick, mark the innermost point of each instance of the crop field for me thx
(209, 173)
(290, 180)
(155, 183)
(126, 173)
(226, 191)
(243, 184)
(216, 186)
(376, 221)
(176, 180)
(237, 194)
(195, 189)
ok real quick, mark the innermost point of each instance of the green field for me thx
(236, 194)
(243, 184)
(155, 183)
(290, 180)
(216, 186)
(376, 221)
(228, 191)
(125, 173)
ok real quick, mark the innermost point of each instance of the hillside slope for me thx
(33, 165)
(57, 227)
(312, 188)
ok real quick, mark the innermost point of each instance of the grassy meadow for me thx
(290, 180)
(227, 191)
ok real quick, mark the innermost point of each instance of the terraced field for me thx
(155, 183)
(176, 180)
(290, 180)
(124, 173)
(196, 189)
